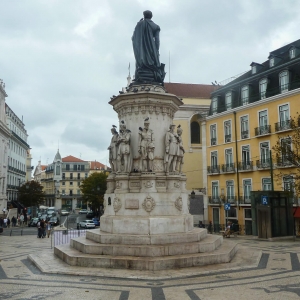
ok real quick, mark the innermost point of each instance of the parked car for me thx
(96, 221)
(87, 224)
(90, 214)
(54, 221)
(64, 212)
(33, 222)
(83, 211)
(43, 217)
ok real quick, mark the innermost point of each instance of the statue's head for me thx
(147, 14)
(122, 125)
(179, 130)
(172, 127)
(146, 123)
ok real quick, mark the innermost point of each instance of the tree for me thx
(93, 189)
(31, 193)
(287, 153)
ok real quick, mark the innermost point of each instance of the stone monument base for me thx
(146, 252)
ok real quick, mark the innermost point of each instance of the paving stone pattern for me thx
(260, 270)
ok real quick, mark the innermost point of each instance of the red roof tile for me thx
(189, 90)
(43, 167)
(71, 158)
(95, 165)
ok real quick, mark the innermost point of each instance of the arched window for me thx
(195, 133)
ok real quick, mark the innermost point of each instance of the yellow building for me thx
(196, 99)
(246, 118)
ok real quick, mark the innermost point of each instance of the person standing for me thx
(8, 222)
(5, 222)
(43, 228)
(21, 220)
(13, 221)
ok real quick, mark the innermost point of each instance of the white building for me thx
(17, 155)
(4, 147)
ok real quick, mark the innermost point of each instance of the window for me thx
(78, 183)
(63, 183)
(265, 154)
(228, 100)
(195, 133)
(63, 175)
(263, 118)
(244, 127)
(228, 158)
(82, 167)
(253, 69)
(214, 105)
(214, 159)
(227, 130)
(284, 81)
(292, 53)
(286, 150)
(215, 190)
(248, 221)
(263, 88)
(71, 182)
(86, 175)
(71, 192)
(78, 192)
(272, 62)
(230, 190)
(71, 175)
(78, 175)
(246, 157)
(245, 95)
(284, 114)
(266, 184)
(213, 134)
(63, 192)
(67, 167)
(288, 185)
(247, 189)
(57, 170)
(75, 167)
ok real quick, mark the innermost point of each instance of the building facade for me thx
(247, 117)
(4, 148)
(17, 155)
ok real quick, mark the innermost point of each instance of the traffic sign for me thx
(227, 206)
(264, 200)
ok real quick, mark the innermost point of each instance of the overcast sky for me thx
(62, 60)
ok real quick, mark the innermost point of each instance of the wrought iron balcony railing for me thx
(244, 200)
(284, 162)
(263, 130)
(245, 134)
(263, 164)
(283, 125)
(213, 169)
(215, 200)
(228, 168)
(213, 141)
(227, 138)
(245, 166)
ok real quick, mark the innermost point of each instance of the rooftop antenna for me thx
(169, 66)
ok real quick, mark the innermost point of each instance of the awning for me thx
(296, 212)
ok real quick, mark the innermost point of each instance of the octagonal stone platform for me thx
(148, 252)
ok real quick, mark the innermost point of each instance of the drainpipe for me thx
(237, 161)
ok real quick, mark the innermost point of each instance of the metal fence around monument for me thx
(61, 237)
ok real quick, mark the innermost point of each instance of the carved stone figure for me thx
(124, 155)
(181, 150)
(171, 143)
(146, 146)
(145, 42)
(113, 149)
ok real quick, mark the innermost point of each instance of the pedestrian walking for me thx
(5, 222)
(48, 227)
(8, 222)
(13, 221)
(21, 220)
(43, 228)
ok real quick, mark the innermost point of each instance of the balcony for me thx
(213, 169)
(245, 166)
(245, 134)
(215, 200)
(284, 162)
(230, 199)
(227, 138)
(213, 141)
(263, 164)
(244, 200)
(283, 125)
(263, 130)
(228, 168)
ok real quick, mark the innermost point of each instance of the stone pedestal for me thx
(146, 222)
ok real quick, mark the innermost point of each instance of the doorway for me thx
(264, 222)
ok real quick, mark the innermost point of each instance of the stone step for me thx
(84, 245)
(195, 235)
(74, 257)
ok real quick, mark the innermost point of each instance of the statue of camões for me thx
(113, 149)
(124, 154)
(145, 42)
(146, 147)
